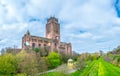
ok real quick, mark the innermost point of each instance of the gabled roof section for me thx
(42, 38)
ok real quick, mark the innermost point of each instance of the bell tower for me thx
(53, 28)
(53, 32)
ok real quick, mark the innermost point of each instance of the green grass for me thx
(91, 70)
(77, 73)
(23, 74)
(54, 74)
(95, 68)
(109, 69)
(101, 68)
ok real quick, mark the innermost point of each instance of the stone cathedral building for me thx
(52, 39)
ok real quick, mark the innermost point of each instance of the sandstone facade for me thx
(52, 39)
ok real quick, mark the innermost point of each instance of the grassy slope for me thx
(108, 69)
(101, 68)
(54, 74)
(96, 68)
(91, 67)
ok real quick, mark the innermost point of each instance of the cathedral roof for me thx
(41, 38)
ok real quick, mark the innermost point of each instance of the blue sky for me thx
(90, 25)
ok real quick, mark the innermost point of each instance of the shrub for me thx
(8, 64)
(54, 59)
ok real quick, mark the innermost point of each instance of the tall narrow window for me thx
(55, 45)
(44, 45)
(39, 45)
(33, 45)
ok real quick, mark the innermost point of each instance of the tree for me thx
(41, 59)
(8, 64)
(75, 55)
(81, 61)
(43, 65)
(3, 51)
(9, 50)
(54, 59)
(27, 63)
(64, 57)
(44, 52)
(36, 50)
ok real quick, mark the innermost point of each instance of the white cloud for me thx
(83, 35)
(98, 19)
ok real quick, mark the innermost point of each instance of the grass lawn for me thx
(54, 74)
(96, 68)
(77, 73)
(101, 68)
(107, 69)
(91, 70)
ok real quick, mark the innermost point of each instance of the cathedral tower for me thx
(53, 31)
(52, 28)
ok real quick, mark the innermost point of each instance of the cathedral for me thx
(52, 39)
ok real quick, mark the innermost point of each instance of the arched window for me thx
(39, 45)
(33, 45)
(55, 44)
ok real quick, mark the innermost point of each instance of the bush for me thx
(54, 59)
(27, 63)
(8, 64)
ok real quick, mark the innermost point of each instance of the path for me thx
(61, 68)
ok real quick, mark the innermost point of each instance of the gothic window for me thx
(39, 45)
(40, 41)
(44, 45)
(33, 45)
(48, 28)
(57, 31)
(55, 45)
(56, 28)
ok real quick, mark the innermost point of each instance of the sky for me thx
(90, 25)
